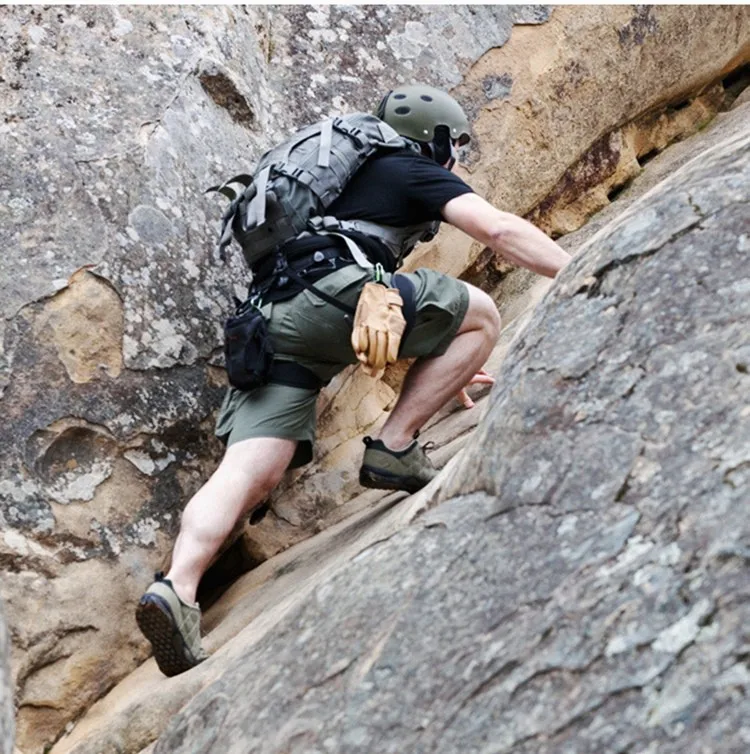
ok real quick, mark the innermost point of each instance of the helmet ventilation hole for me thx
(399, 96)
(402, 110)
(426, 98)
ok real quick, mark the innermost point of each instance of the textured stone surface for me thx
(108, 139)
(114, 121)
(6, 690)
(725, 126)
(582, 585)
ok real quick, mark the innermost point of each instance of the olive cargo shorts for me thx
(317, 335)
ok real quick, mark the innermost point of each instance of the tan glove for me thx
(378, 326)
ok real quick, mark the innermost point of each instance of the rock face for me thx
(114, 121)
(582, 585)
(6, 690)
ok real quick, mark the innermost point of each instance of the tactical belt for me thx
(272, 274)
(301, 262)
(401, 282)
(320, 294)
(297, 267)
(294, 374)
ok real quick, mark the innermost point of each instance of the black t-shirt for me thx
(400, 188)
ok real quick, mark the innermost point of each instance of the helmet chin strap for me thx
(438, 155)
(453, 158)
(441, 147)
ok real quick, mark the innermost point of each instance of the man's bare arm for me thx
(516, 239)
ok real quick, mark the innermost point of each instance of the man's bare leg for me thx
(431, 382)
(248, 473)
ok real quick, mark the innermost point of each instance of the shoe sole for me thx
(383, 480)
(155, 620)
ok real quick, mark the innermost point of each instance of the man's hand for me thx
(480, 378)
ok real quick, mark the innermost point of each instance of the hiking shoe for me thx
(172, 626)
(385, 469)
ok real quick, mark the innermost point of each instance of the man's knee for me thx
(260, 461)
(482, 314)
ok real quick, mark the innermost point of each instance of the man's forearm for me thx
(524, 244)
(509, 235)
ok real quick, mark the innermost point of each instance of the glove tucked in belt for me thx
(378, 327)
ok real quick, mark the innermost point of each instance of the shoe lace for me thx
(429, 445)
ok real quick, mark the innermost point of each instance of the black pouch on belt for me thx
(248, 348)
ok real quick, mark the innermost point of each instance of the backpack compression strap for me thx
(326, 139)
(225, 189)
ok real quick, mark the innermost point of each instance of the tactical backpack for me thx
(295, 182)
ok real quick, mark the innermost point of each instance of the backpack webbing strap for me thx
(243, 178)
(295, 375)
(228, 216)
(326, 138)
(256, 209)
(320, 294)
(226, 236)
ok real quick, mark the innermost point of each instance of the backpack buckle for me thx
(353, 132)
(357, 137)
(280, 264)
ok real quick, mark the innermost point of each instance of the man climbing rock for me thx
(307, 290)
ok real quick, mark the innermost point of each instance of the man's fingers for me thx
(482, 378)
(464, 399)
